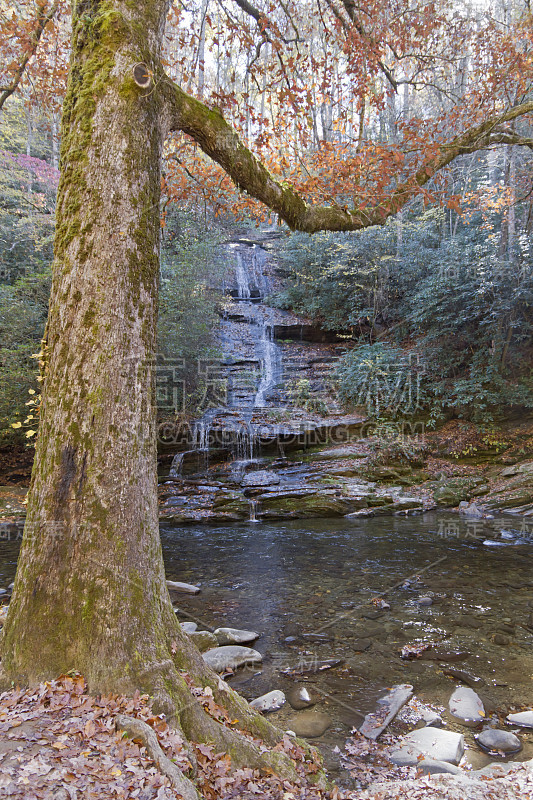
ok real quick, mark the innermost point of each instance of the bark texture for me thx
(90, 592)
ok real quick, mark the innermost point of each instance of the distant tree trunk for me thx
(201, 50)
(55, 140)
(90, 592)
(29, 137)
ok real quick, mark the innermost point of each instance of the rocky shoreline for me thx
(362, 477)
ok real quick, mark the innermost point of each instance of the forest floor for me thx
(57, 742)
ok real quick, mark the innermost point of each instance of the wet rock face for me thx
(261, 478)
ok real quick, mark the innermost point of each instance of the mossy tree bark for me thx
(90, 592)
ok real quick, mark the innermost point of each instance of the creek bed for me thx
(307, 586)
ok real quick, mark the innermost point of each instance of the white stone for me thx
(185, 588)
(222, 658)
(269, 702)
(524, 719)
(466, 706)
(189, 627)
(235, 636)
(430, 742)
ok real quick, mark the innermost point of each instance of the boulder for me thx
(524, 719)
(470, 509)
(269, 702)
(466, 706)
(309, 724)
(189, 627)
(496, 742)
(234, 636)
(230, 657)
(431, 742)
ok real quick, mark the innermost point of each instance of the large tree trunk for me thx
(90, 592)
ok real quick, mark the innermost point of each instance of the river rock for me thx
(466, 706)
(184, 588)
(300, 697)
(360, 645)
(425, 601)
(262, 477)
(388, 707)
(470, 509)
(524, 719)
(189, 627)
(204, 640)
(310, 724)
(235, 636)
(431, 742)
(430, 766)
(269, 702)
(230, 657)
(500, 639)
(495, 741)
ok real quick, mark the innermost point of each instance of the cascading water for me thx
(270, 366)
(241, 274)
(253, 511)
(176, 466)
(247, 338)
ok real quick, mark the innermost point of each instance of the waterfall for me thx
(253, 510)
(269, 366)
(251, 360)
(241, 274)
(176, 466)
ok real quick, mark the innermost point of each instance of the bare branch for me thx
(43, 18)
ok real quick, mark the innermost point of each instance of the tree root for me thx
(199, 726)
(140, 730)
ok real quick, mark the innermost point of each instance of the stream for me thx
(307, 585)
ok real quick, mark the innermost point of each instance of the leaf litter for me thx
(58, 742)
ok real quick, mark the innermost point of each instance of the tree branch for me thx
(221, 142)
(41, 22)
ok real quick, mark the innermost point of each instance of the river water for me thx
(307, 587)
